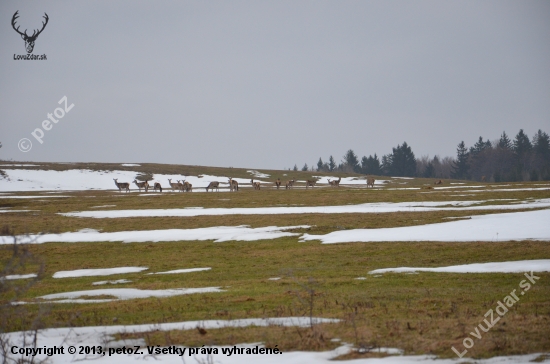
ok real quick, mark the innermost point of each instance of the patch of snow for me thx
(102, 206)
(97, 272)
(380, 207)
(18, 276)
(274, 279)
(258, 174)
(529, 225)
(402, 177)
(361, 278)
(520, 266)
(130, 165)
(124, 294)
(16, 210)
(12, 196)
(189, 270)
(19, 165)
(217, 233)
(118, 281)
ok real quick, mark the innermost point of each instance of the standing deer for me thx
(213, 185)
(289, 184)
(233, 185)
(278, 183)
(370, 182)
(256, 185)
(141, 185)
(158, 186)
(185, 186)
(310, 183)
(122, 185)
(438, 182)
(174, 186)
(334, 183)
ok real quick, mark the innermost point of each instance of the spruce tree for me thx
(331, 164)
(522, 145)
(305, 167)
(403, 161)
(350, 159)
(320, 165)
(504, 142)
(460, 165)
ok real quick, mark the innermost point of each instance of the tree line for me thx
(503, 160)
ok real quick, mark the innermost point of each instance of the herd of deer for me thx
(184, 186)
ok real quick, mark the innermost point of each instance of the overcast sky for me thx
(267, 84)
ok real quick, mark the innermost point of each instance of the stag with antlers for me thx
(29, 40)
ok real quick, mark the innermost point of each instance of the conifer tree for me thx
(331, 164)
(460, 166)
(504, 142)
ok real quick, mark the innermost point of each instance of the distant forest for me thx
(502, 160)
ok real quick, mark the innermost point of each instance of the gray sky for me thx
(266, 84)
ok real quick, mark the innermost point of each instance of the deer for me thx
(278, 183)
(256, 185)
(174, 186)
(185, 187)
(141, 185)
(212, 185)
(158, 186)
(289, 184)
(29, 40)
(189, 187)
(122, 185)
(233, 185)
(334, 183)
(310, 183)
(370, 182)
(438, 182)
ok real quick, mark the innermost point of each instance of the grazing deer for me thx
(213, 185)
(370, 182)
(256, 185)
(310, 183)
(158, 186)
(278, 183)
(438, 182)
(233, 185)
(122, 185)
(289, 184)
(334, 183)
(174, 186)
(141, 185)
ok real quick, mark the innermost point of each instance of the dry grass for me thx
(420, 313)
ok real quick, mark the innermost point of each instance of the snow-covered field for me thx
(381, 207)
(527, 225)
(492, 228)
(217, 233)
(104, 336)
(520, 266)
(85, 179)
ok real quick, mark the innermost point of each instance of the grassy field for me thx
(418, 313)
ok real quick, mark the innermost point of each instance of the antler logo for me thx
(29, 40)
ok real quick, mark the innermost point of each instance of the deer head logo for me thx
(29, 40)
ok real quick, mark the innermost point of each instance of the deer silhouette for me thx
(29, 40)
